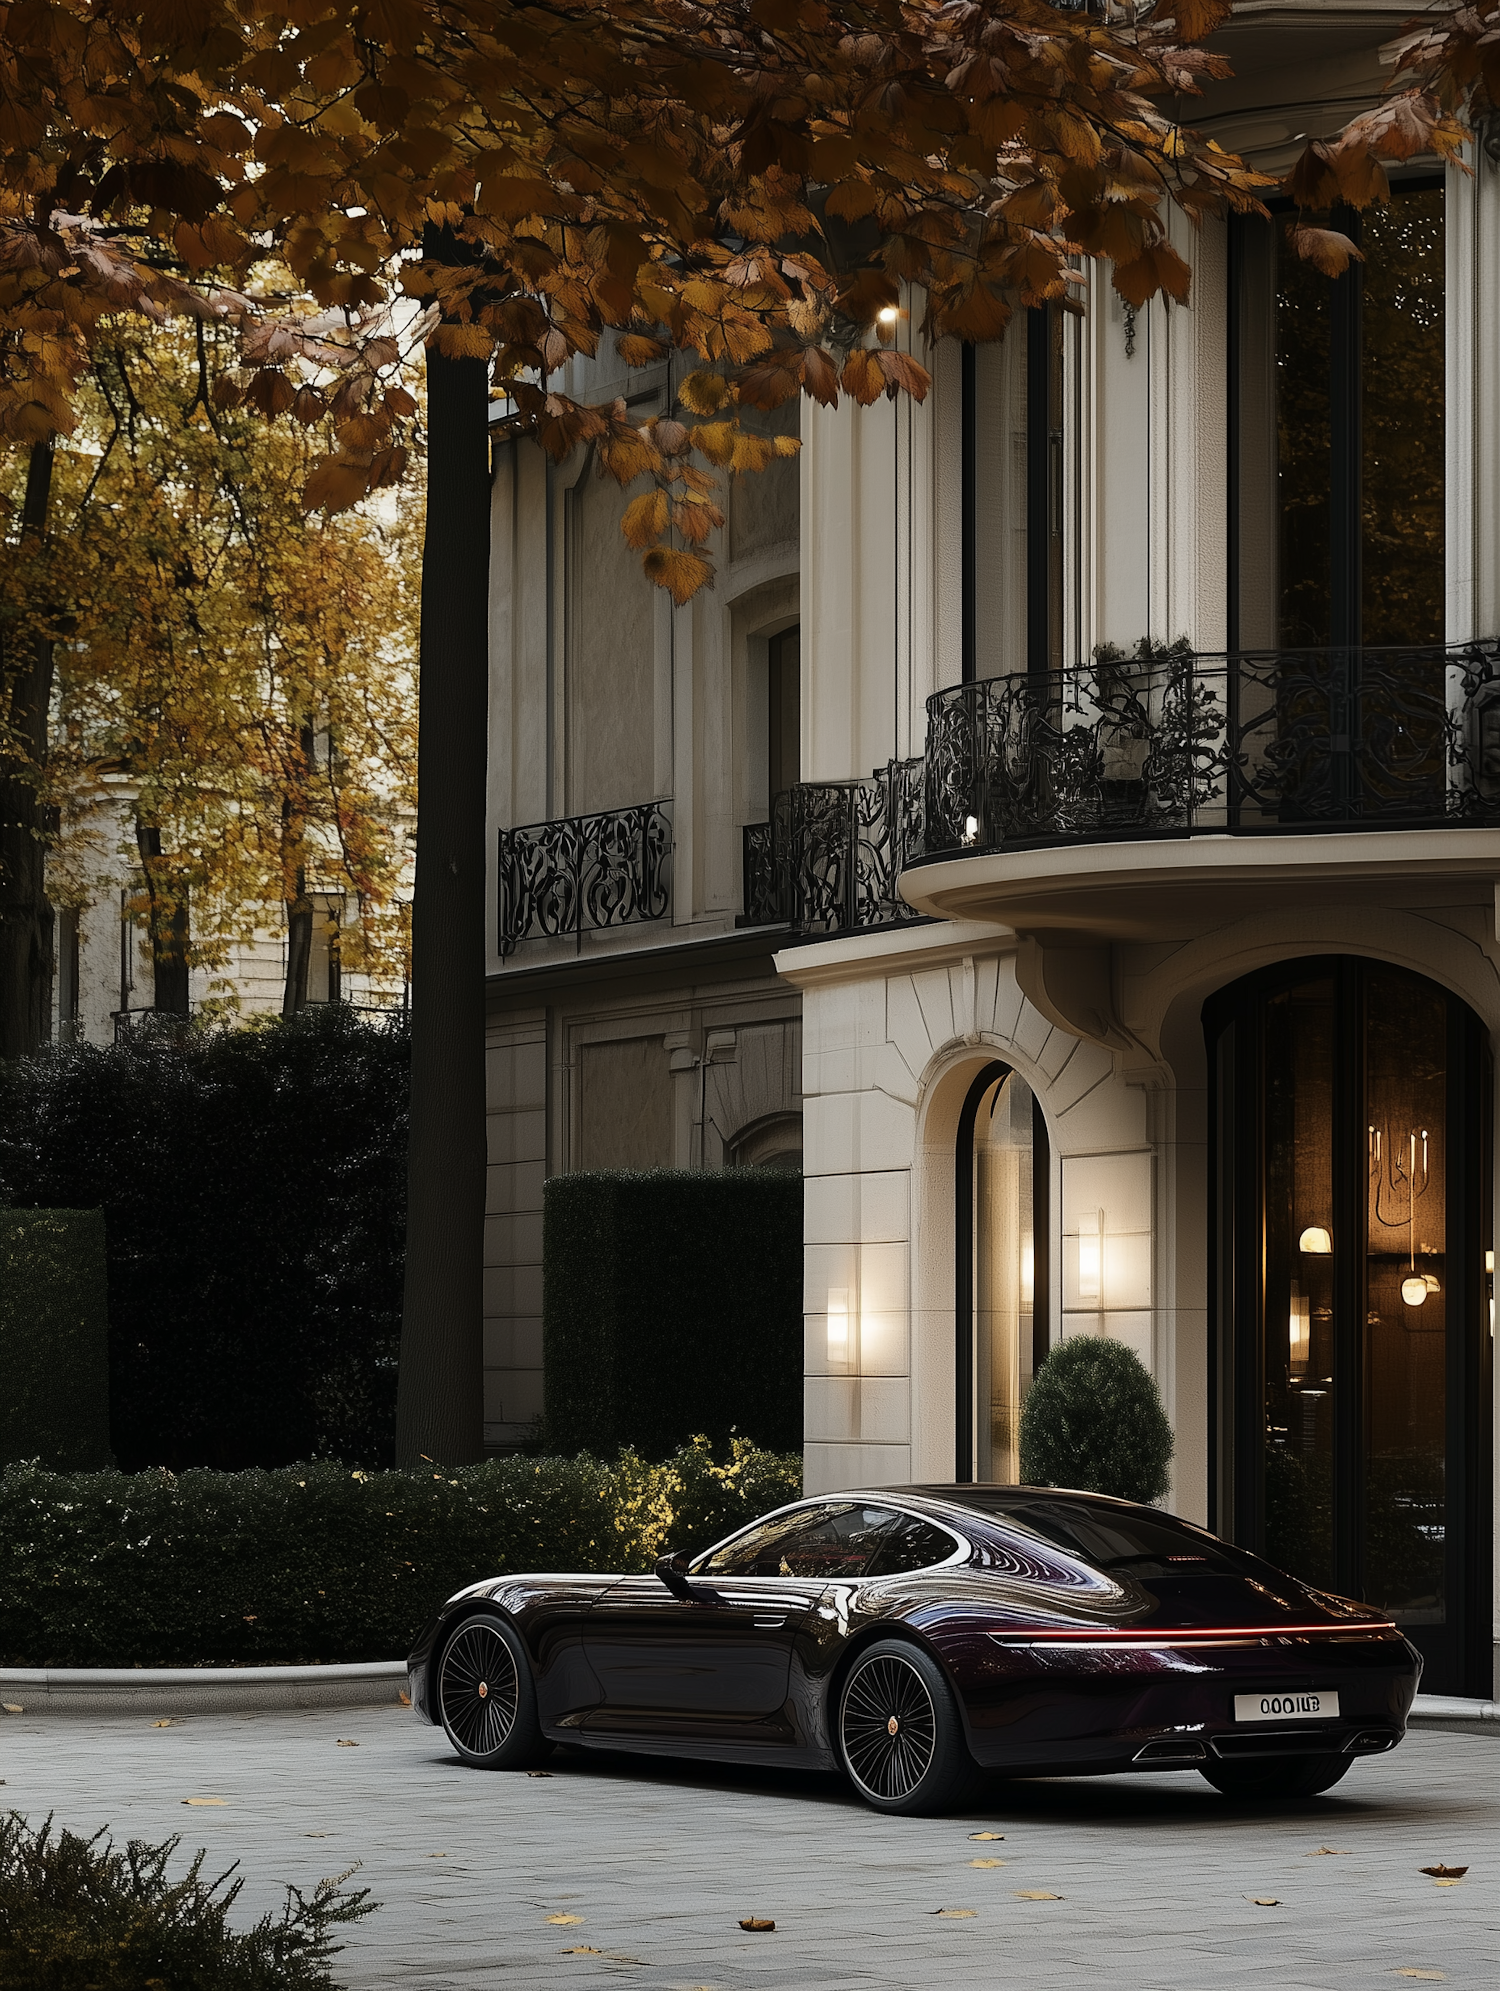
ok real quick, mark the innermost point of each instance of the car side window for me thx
(910, 1544)
(839, 1545)
(756, 1552)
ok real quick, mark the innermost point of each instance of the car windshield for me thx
(1108, 1537)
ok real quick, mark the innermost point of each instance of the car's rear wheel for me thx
(487, 1698)
(900, 1735)
(1277, 1776)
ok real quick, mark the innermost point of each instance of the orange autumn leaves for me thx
(748, 182)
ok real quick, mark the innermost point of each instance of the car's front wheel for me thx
(487, 1698)
(900, 1735)
(1277, 1776)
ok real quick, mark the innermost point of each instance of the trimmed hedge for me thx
(253, 1183)
(54, 1339)
(672, 1304)
(1094, 1420)
(318, 1563)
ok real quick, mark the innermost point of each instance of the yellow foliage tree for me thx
(234, 682)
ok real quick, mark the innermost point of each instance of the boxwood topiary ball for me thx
(1094, 1420)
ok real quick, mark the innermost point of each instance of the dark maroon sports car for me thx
(917, 1637)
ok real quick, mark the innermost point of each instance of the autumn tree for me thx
(237, 687)
(750, 183)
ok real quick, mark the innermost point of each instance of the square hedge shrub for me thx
(54, 1339)
(672, 1304)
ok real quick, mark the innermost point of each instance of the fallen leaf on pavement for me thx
(317, 1835)
(1331, 1852)
(12, 1707)
(580, 1949)
(958, 1914)
(539, 1773)
(986, 1863)
(986, 1835)
(1446, 1873)
(435, 1856)
(205, 1800)
(1264, 1900)
(1437, 1976)
(1035, 1894)
(562, 1920)
(404, 1699)
(755, 1922)
(347, 1745)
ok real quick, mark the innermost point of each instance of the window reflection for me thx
(1406, 1295)
(1005, 1281)
(1299, 1267)
(1386, 1138)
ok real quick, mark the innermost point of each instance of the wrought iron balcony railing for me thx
(605, 870)
(1172, 741)
(828, 860)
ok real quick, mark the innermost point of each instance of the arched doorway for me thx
(1351, 1289)
(1001, 1284)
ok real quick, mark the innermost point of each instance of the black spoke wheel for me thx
(899, 1731)
(486, 1696)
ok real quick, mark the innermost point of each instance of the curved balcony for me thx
(1122, 796)
(580, 873)
(829, 859)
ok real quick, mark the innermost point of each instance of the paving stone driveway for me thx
(658, 1862)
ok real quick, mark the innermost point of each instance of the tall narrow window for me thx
(1002, 1289)
(1336, 433)
(1044, 488)
(784, 712)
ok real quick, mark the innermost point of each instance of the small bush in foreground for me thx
(318, 1563)
(76, 1915)
(1094, 1420)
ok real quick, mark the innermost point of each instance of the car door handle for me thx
(769, 1624)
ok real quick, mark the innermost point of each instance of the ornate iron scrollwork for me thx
(828, 860)
(610, 869)
(1171, 741)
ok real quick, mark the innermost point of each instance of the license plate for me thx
(1285, 1707)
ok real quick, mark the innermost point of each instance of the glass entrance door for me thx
(1353, 1275)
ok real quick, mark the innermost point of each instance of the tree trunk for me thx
(299, 911)
(167, 921)
(439, 1412)
(25, 915)
(299, 933)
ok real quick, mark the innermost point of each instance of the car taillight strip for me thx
(1220, 1635)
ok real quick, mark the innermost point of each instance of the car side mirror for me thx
(673, 1571)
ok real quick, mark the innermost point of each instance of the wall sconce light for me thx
(1299, 1331)
(1316, 1242)
(971, 830)
(1028, 1273)
(838, 1325)
(1091, 1256)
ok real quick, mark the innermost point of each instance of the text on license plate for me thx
(1285, 1707)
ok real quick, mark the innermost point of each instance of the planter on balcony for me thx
(1173, 741)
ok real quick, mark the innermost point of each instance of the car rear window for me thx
(1109, 1537)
